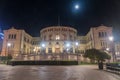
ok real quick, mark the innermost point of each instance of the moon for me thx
(76, 6)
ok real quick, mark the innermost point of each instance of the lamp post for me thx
(111, 39)
(35, 51)
(76, 44)
(108, 51)
(67, 49)
(43, 47)
(43, 50)
(7, 47)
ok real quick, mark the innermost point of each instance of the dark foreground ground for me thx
(81, 72)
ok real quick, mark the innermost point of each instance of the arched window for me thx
(57, 43)
(44, 37)
(64, 37)
(57, 37)
(50, 37)
(70, 37)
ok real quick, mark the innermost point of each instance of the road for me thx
(82, 72)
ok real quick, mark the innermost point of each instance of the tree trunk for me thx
(100, 65)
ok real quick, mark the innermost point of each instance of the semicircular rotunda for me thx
(58, 39)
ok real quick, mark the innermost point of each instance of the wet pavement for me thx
(82, 72)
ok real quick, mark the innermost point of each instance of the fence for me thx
(115, 68)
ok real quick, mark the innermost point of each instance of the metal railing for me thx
(115, 68)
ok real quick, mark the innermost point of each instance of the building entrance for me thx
(57, 50)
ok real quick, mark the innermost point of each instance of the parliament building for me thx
(55, 43)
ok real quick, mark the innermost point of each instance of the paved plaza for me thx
(81, 72)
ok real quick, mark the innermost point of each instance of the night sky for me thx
(33, 15)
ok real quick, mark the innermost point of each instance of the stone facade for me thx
(16, 41)
(117, 50)
(56, 40)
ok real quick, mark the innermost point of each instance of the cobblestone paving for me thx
(82, 72)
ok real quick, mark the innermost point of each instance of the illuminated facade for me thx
(55, 43)
(117, 50)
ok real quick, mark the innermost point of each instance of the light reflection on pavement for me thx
(81, 72)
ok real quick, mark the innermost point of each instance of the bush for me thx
(5, 59)
(44, 62)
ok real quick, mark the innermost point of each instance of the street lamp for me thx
(76, 43)
(67, 45)
(7, 50)
(8, 45)
(111, 39)
(76, 50)
(43, 47)
(67, 49)
(108, 49)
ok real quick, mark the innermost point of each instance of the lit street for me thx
(81, 72)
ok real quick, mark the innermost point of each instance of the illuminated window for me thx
(57, 37)
(65, 38)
